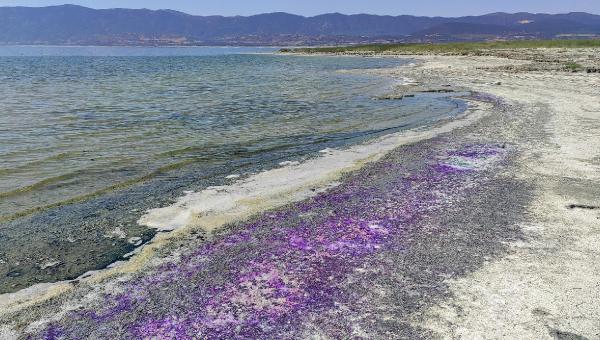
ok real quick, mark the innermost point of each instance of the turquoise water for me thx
(91, 137)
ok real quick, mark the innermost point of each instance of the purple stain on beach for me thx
(473, 158)
(269, 277)
(53, 333)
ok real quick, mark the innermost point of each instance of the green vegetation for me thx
(450, 48)
(573, 67)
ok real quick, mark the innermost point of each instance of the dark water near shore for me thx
(91, 137)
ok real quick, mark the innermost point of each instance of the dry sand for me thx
(549, 285)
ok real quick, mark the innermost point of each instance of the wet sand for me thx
(485, 228)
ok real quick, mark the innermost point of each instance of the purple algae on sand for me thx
(286, 269)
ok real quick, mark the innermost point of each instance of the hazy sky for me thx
(312, 7)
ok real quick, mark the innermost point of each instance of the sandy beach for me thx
(548, 284)
(486, 226)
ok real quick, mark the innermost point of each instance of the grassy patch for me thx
(573, 67)
(450, 48)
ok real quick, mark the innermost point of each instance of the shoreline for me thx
(527, 130)
(89, 232)
(313, 176)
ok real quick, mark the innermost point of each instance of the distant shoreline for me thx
(72, 24)
(142, 46)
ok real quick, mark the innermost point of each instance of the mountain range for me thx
(70, 24)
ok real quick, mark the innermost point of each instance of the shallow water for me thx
(88, 133)
(71, 126)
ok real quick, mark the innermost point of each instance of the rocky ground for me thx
(487, 231)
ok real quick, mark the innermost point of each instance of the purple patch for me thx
(267, 277)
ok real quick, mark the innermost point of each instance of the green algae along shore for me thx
(484, 226)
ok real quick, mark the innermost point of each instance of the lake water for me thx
(90, 137)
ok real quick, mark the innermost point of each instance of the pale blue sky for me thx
(312, 7)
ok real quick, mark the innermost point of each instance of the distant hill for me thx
(461, 28)
(70, 24)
